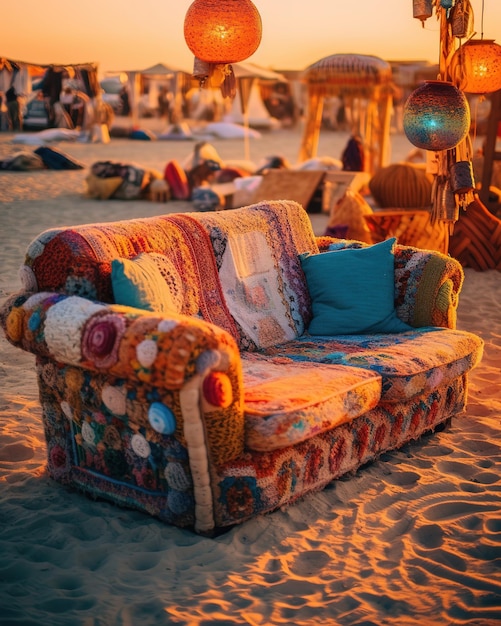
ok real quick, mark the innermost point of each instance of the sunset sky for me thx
(122, 35)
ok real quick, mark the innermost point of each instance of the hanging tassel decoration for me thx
(229, 84)
(438, 209)
(215, 75)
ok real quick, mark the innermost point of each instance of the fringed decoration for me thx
(454, 184)
(215, 75)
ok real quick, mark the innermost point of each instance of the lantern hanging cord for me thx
(482, 21)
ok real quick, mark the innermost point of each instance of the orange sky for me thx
(133, 35)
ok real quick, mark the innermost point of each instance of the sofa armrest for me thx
(427, 283)
(149, 351)
(427, 287)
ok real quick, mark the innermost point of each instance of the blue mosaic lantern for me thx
(436, 116)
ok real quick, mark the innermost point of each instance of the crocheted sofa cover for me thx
(220, 406)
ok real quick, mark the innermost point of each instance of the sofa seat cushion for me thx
(287, 402)
(410, 363)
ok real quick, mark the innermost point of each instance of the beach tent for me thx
(51, 78)
(21, 73)
(248, 106)
(158, 72)
(253, 112)
(365, 83)
(248, 101)
(17, 73)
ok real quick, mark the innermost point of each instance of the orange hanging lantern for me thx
(476, 66)
(222, 31)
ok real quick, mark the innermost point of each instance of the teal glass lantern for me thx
(436, 116)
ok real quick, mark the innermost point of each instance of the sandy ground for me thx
(414, 539)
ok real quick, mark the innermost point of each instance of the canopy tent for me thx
(20, 74)
(365, 84)
(17, 73)
(158, 72)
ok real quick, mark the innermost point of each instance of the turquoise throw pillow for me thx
(352, 291)
(148, 281)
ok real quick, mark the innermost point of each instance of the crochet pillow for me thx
(102, 188)
(148, 281)
(352, 291)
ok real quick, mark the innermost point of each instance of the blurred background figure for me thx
(4, 118)
(14, 112)
(66, 99)
(124, 102)
(164, 103)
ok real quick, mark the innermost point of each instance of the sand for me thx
(413, 539)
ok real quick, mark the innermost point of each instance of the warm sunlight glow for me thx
(295, 33)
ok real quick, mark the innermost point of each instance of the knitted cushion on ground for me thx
(349, 211)
(402, 185)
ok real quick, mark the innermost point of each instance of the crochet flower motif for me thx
(27, 278)
(217, 389)
(14, 324)
(114, 399)
(101, 338)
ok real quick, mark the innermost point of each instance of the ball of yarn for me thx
(401, 185)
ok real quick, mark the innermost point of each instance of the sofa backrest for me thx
(257, 255)
(238, 269)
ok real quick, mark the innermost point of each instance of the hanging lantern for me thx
(422, 10)
(436, 116)
(476, 66)
(461, 20)
(222, 31)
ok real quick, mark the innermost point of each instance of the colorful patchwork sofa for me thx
(205, 368)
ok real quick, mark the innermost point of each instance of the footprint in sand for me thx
(456, 510)
(309, 563)
(16, 452)
(468, 472)
(493, 525)
(429, 536)
(402, 478)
